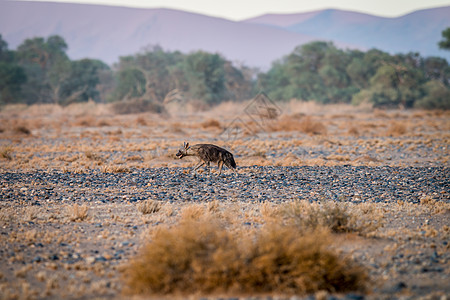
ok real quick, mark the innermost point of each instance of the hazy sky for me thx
(242, 9)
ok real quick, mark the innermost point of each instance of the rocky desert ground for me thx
(89, 196)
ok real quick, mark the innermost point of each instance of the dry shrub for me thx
(380, 113)
(211, 123)
(86, 121)
(203, 257)
(396, 129)
(306, 125)
(339, 217)
(193, 212)
(311, 126)
(434, 206)
(31, 213)
(366, 158)
(78, 213)
(22, 129)
(115, 169)
(93, 156)
(6, 152)
(136, 106)
(196, 105)
(353, 130)
(213, 206)
(339, 157)
(103, 122)
(134, 158)
(269, 212)
(143, 121)
(149, 207)
(177, 128)
(287, 123)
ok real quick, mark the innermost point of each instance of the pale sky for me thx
(242, 9)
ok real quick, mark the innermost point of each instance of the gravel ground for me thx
(260, 184)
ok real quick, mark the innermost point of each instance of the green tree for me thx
(53, 77)
(157, 73)
(81, 84)
(315, 71)
(205, 74)
(437, 68)
(360, 69)
(46, 65)
(131, 84)
(437, 96)
(12, 76)
(445, 43)
(238, 82)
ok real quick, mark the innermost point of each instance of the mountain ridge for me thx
(418, 31)
(108, 32)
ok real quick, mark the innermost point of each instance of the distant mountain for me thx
(419, 31)
(107, 32)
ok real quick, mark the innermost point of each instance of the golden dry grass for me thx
(149, 206)
(435, 207)
(78, 212)
(396, 129)
(339, 217)
(200, 256)
(6, 152)
(304, 124)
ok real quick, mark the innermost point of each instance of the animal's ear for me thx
(186, 145)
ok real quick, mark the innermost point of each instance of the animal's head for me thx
(183, 151)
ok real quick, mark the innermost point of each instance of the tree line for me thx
(40, 71)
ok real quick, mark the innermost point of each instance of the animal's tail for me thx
(229, 161)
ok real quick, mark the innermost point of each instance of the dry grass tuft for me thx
(434, 206)
(78, 213)
(202, 256)
(93, 156)
(149, 207)
(86, 121)
(396, 129)
(310, 126)
(306, 125)
(115, 169)
(22, 129)
(353, 130)
(6, 152)
(340, 217)
(211, 123)
(136, 106)
(193, 212)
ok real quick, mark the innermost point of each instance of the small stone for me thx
(37, 259)
(100, 259)
(90, 260)
(400, 286)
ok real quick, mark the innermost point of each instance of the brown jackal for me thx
(208, 153)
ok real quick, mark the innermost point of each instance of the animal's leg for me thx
(201, 163)
(220, 167)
